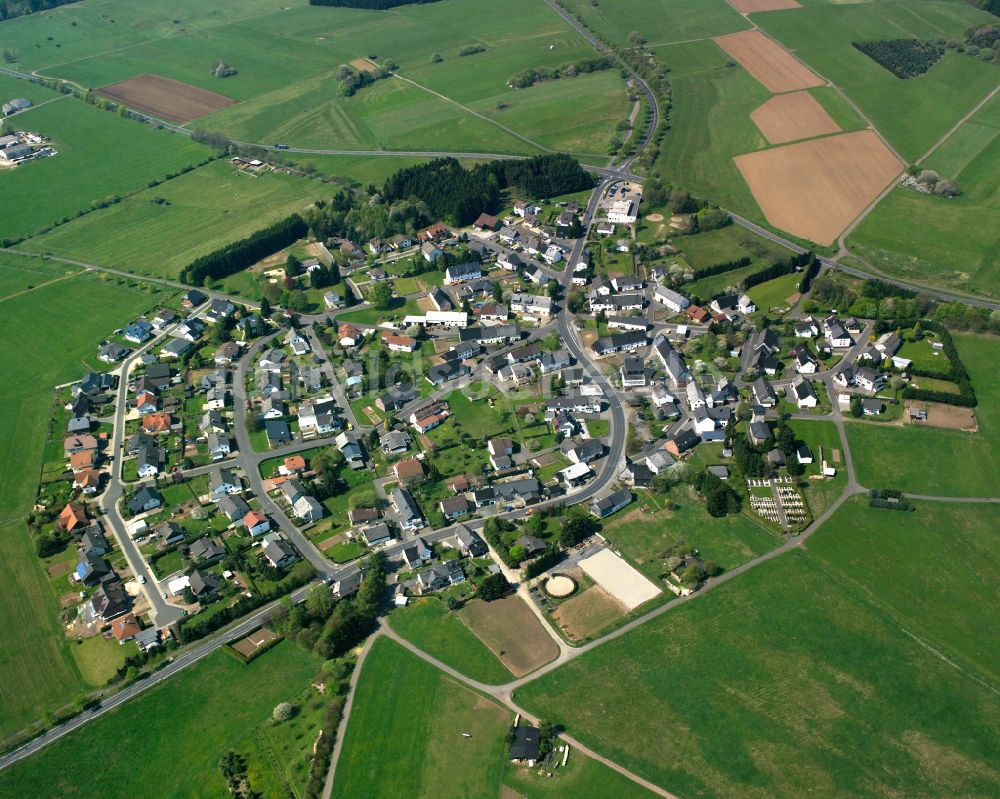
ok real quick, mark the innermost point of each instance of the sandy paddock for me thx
(364, 65)
(768, 62)
(789, 117)
(752, 6)
(626, 584)
(950, 417)
(815, 189)
(165, 98)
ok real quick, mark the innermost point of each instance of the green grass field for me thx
(37, 673)
(775, 293)
(710, 124)
(286, 57)
(204, 209)
(581, 778)
(913, 113)
(441, 633)
(938, 241)
(405, 734)
(658, 23)
(99, 155)
(784, 682)
(190, 719)
(730, 541)
(936, 569)
(19, 274)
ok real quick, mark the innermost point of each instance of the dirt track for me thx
(771, 64)
(815, 189)
(167, 99)
(790, 117)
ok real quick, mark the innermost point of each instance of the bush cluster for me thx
(904, 58)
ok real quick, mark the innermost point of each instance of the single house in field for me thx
(526, 745)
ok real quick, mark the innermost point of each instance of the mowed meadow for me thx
(941, 241)
(48, 331)
(100, 155)
(160, 230)
(787, 681)
(286, 56)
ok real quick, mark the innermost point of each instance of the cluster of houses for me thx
(82, 450)
(109, 602)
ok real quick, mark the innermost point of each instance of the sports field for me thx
(441, 633)
(939, 241)
(37, 673)
(784, 682)
(911, 114)
(89, 142)
(886, 554)
(159, 231)
(190, 719)
(405, 735)
(815, 189)
(965, 464)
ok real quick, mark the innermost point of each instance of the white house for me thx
(673, 300)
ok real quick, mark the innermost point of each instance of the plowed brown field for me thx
(752, 6)
(165, 98)
(815, 189)
(768, 62)
(789, 117)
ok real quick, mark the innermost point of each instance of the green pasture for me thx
(581, 778)
(775, 293)
(19, 274)
(160, 230)
(100, 155)
(192, 719)
(953, 243)
(405, 734)
(441, 633)
(936, 569)
(784, 682)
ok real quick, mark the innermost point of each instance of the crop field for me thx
(941, 241)
(36, 671)
(88, 140)
(405, 737)
(752, 6)
(659, 22)
(512, 632)
(887, 554)
(159, 231)
(768, 62)
(441, 633)
(788, 117)
(213, 702)
(914, 113)
(285, 60)
(815, 189)
(965, 464)
(643, 535)
(735, 704)
(164, 98)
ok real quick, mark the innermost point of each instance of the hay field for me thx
(814, 189)
(509, 628)
(789, 117)
(167, 99)
(776, 68)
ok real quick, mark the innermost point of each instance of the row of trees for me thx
(238, 255)
(352, 80)
(9, 9)
(582, 66)
(719, 268)
(957, 374)
(777, 269)
(459, 195)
